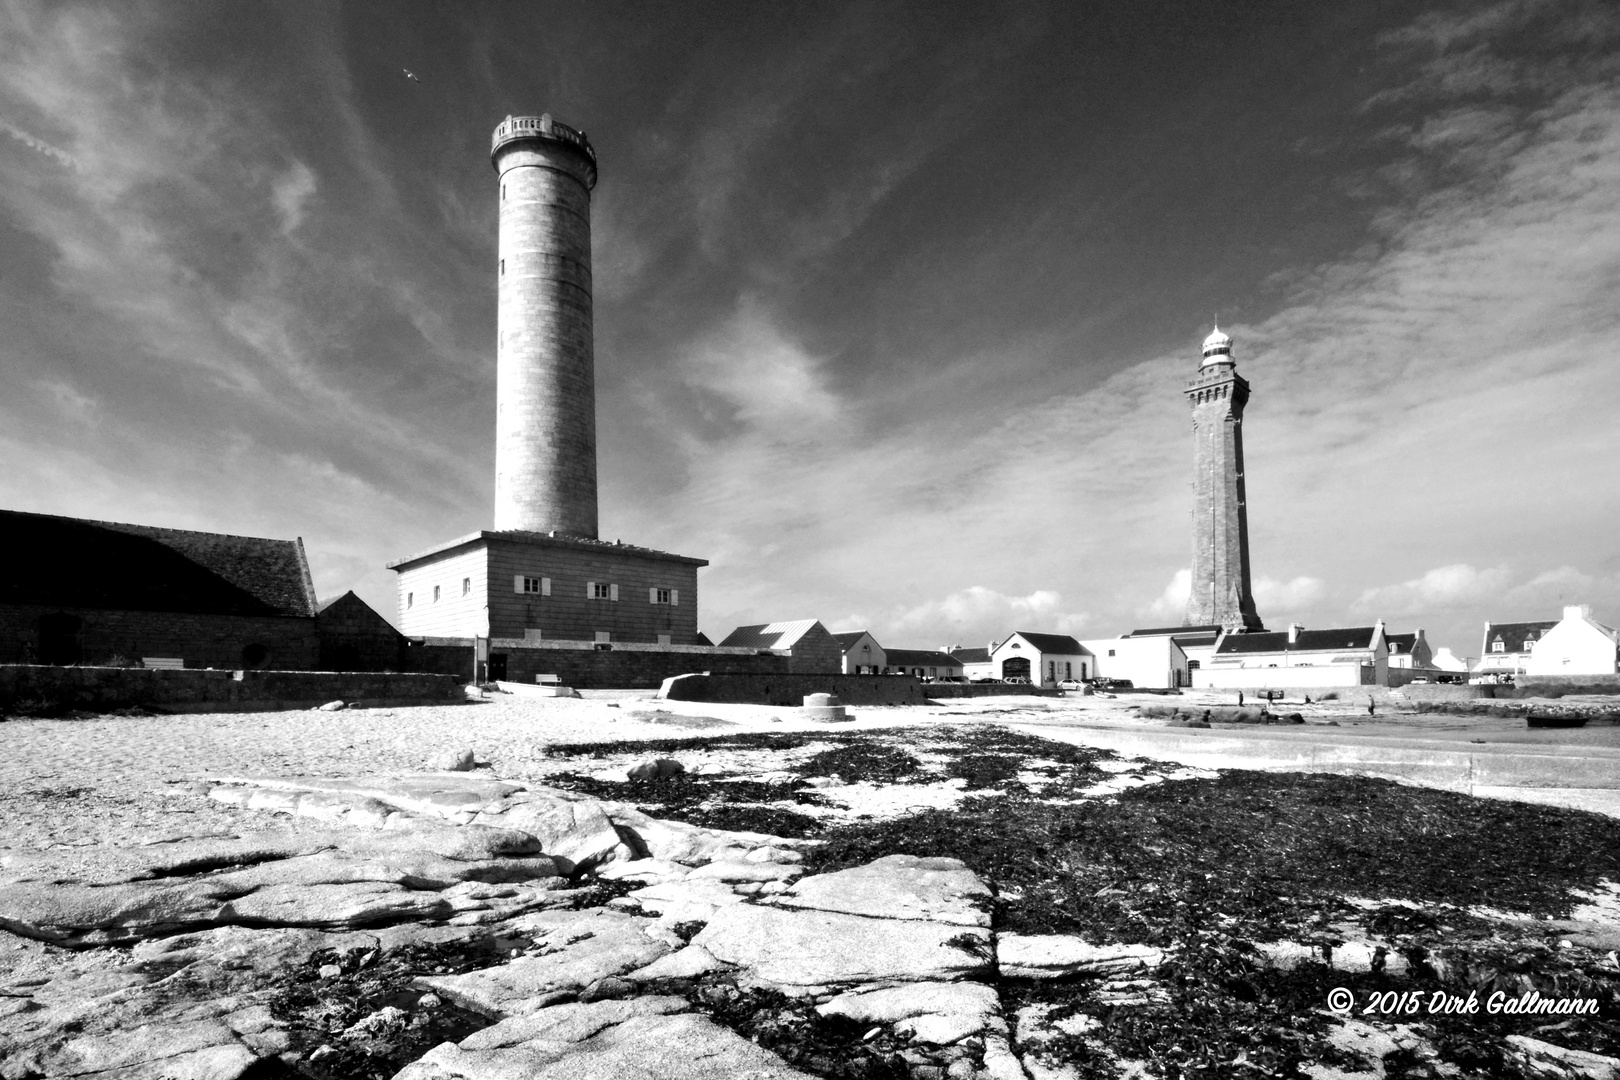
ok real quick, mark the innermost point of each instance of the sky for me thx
(894, 303)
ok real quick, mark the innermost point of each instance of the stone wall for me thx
(353, 637)
(38, 686)
(789, 689)
(966, 690)
(201, 641)
(582, 665)
(1556, 685)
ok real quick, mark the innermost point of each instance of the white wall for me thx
(1278, 678)
(1574, 647)
(1046, 669)
(1147, 662)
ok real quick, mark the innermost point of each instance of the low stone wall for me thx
(38, 687)
(584, 666)
(1385, 695)
(940, 691)
(1559, 685)
(789, 690)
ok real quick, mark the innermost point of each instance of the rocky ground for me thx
(486, 892)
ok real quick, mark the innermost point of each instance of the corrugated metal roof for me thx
(776, 635)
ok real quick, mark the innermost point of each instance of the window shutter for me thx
(675, 596)
(590, 590)
(613, 592)
(652, 596)
(517, 583)
(545, 586)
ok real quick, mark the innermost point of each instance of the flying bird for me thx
(411, 75)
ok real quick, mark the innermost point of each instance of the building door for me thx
(497, 667)
(59, 639)
(1015, 668)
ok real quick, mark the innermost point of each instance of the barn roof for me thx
(74, 562)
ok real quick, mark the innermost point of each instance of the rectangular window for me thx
(538, 585)
(598, 590)
(1110, 652)
(503, 267)
(466, 586)
(1068, 670)
(658, 596)
(410, 599)
(435, 594)
(1496, 646)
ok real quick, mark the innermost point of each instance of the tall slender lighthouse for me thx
(1220, 567)
(545, 426)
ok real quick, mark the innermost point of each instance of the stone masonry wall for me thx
(789, 690)
(213, 691)
(570, 613)
(218, 641)
(545, 455)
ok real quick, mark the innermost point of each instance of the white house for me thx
(975, 662)
(1505, 649)
(1299, 658)
(1042, 659)
(1410, 651)
(1445, 661)
(1576, 645)
(923, 663)
(1197, 644)
(1151, 661)
(862, 654)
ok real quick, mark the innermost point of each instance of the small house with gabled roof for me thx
(862, 653)
(1041, 659)
(808, 645)
(923, 663)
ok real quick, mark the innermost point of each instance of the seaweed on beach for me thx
(357, 1016)
(766, 741)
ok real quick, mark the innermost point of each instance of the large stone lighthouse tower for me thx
(545, 427)
(1220, 567)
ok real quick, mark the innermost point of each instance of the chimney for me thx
(1578, 611)
(1293, 632)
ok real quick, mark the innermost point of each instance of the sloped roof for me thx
(776, 635)
(703, 639)
(1514, 635)
(1051, 643)
(1176, 631)
(1401, 642)
(73, 562)
(972, 656)
(847, 641)
(919, 658)
(1348, 637)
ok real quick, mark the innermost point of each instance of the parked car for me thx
(1071, 684)
(1101, 683)
(1420, 679)
(1449, 679)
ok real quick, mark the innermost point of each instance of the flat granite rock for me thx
(1056, 956)
(572, 1022)
(577, 833)
(440, 794)
(790, 947)
(577, 949)
(898, 887)
(206, 1048)
(682, 1046)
